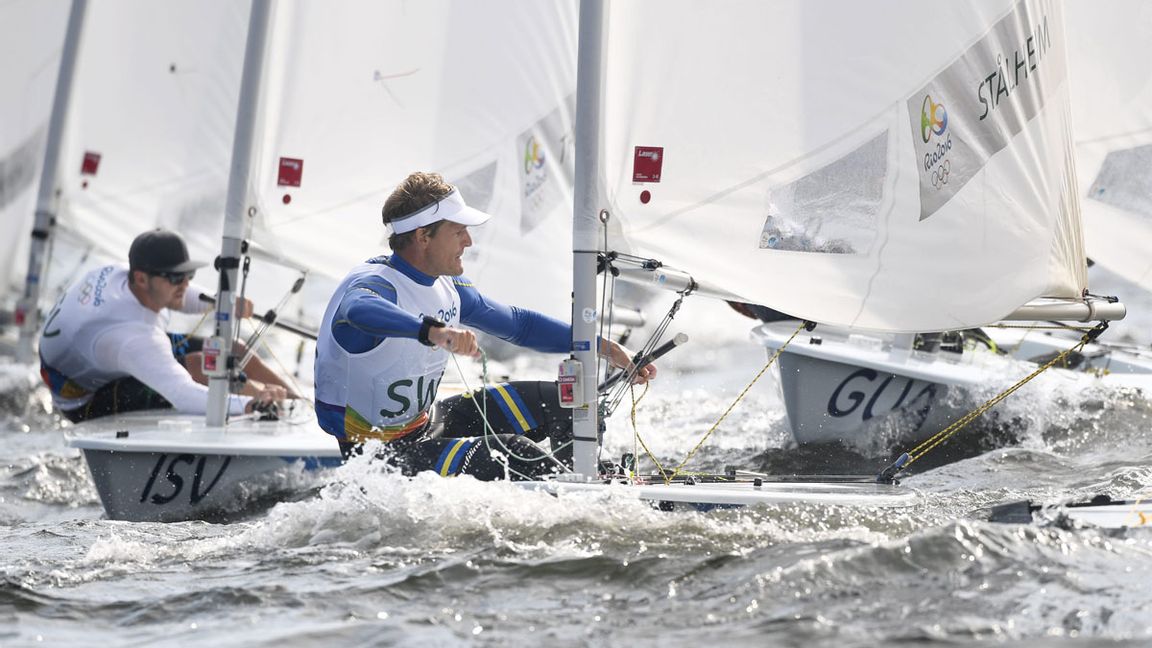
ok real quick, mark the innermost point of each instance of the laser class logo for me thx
(533, 156)
(933, 118)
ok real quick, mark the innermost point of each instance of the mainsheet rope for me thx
(907, 458)
(771, 361)
(489, 433)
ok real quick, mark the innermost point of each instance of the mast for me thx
(237, 209)
(585, 226)
(47, 199)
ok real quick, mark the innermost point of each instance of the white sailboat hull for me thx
(1101, 512)
(839, 387)
(1111, 516)
(164, 467)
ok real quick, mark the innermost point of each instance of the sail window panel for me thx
(834, 209)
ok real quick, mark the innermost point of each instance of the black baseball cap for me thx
(160, 250)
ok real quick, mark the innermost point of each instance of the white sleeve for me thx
(146, 353)
(192, 303)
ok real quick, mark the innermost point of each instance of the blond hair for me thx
(418, 190)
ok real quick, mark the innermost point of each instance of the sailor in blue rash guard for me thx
(382, 349)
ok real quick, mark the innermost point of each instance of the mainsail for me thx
(149, 132)
(363, 93)
(885, 165)
(1109, 47)
(359, 94)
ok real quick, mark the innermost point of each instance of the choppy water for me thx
(375, 559)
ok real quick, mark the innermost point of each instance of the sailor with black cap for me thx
(104, 349)
(382, 347)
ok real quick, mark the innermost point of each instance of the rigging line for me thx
(637, 438)
(940, 437)
(203, 318)
(284, 371)
(488, 431)
(771, 361)
(616, 395)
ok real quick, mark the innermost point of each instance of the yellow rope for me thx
(1136, 509)
(203, 317)
(668, 479)
(636, 432)
(943, 435)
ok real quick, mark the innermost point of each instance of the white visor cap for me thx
(449, 208)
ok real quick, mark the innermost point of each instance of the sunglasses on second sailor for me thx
(175, 278)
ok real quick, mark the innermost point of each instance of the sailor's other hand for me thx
(265, 397)
(621, 358)
(244, 307)
(458, 341)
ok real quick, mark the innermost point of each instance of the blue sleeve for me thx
(519, 326)
(368, 314)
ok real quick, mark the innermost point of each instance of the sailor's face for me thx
(446, 249)
(168, 294)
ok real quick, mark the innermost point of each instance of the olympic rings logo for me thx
(940, 175)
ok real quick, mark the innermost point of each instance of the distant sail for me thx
(1110, 44)
(31, 35)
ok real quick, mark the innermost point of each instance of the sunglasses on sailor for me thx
(175, 278)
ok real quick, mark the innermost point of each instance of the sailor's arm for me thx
(520, 326)
(368, 314)
(620, 357)
(147, 356)
(195, 303)
(534, 330)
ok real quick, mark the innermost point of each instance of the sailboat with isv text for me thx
(291, 181)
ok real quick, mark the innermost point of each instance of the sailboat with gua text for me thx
(858, 387)
(800, 168)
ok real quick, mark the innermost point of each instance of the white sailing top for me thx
(99, 332)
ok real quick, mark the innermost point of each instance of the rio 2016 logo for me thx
(933, 118)
(533, 156)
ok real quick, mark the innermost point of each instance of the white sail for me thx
(149, 133)
(1109, 47)
(31, 36)
(887, 165)
(366, 92)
